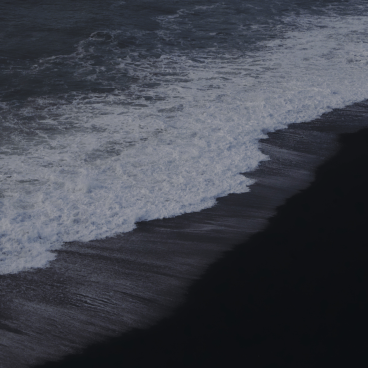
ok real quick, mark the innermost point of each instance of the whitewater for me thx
(91, 165)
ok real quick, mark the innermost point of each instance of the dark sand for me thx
(293, 295)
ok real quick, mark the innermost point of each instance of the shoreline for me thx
(136, 284)
(293, 294)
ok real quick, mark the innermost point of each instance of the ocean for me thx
(121, 121)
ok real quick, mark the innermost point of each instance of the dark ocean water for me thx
(117, 112)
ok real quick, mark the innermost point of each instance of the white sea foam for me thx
(110, 162)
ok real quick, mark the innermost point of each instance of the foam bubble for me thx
(112, 159)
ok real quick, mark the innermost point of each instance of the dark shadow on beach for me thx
(294, 295)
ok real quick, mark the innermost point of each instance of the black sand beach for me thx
(293, 295)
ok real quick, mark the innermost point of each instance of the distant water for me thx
(114, 112)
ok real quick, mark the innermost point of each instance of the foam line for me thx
(116, 158)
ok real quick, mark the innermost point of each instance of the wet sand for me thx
(292, 295)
